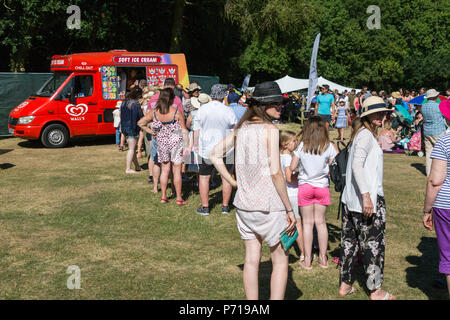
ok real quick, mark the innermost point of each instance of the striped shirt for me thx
(433, 120)
(441, 151)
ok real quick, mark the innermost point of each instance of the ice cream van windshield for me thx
(52, 84)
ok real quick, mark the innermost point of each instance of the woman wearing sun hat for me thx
(263, 209)
(437, 200)
(364, 213)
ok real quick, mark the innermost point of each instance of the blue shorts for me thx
(154, 150)
(326, 117)
(130, 133)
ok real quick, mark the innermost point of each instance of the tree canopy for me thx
(231, 38)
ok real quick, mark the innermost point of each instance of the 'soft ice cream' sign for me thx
(136, 59)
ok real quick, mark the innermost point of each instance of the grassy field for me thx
(76, 206)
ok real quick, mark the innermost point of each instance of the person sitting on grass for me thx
(387, 138)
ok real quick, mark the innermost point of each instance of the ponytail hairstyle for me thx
(165, 101)
(314, 136)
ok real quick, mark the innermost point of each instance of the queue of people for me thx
(282, 178)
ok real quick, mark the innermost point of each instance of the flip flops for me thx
(302, 265)
(350, 292)
(163, 200)
(181, 202)
(389, 296)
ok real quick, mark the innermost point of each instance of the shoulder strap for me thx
(154, 115)
(175, 114)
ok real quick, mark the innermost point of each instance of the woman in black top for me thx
(130, 114)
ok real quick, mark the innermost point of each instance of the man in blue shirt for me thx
(433, 125)
(325, 105)
(238, 109)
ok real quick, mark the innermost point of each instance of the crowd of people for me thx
(282, 177)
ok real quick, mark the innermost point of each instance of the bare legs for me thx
(131, 156)
(299, 240)
(279, 276)
(140, 142)
(226, 192)
(448, 283)
(314, 215)
(203, 185)
(341, 134)
(165, 172)
(176, 180)
(156, 170)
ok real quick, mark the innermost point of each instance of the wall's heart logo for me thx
(78, 110)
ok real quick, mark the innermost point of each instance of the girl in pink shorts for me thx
(311, 160)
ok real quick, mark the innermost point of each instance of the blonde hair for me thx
(314, 136)
(285, 137)
(388, 125)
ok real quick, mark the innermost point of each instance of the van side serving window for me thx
(83, 87)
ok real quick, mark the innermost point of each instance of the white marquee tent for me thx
(288, 84)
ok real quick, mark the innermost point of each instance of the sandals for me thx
(303, 265)
(181, 202)
(163, 200)
(350, 292)
(389, 296)
(321, 265)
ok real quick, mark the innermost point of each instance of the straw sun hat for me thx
(200, 100)
(373, 105)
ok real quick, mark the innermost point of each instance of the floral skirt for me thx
(367, 236)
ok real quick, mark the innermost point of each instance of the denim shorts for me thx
(326, 117)
(154, 150)
(130, 133)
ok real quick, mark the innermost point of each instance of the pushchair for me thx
(414, 145)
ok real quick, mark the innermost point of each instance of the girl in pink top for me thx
(263, 209)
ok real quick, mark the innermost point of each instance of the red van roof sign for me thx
(136, 59)
(59, 63)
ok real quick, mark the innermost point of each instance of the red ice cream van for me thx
(78, 100)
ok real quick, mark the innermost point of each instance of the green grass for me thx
(76, 206)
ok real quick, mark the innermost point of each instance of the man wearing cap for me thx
(433, 125)
(238, 109)
(212, 124)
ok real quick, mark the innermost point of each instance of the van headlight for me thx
(25, 120)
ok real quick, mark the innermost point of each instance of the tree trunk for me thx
(177, 27)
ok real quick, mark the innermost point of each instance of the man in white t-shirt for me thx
(213, 122)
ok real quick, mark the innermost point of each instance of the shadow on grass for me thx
(425, 269)
(420, 167)
(4, 166)
(265, 271)
(73, 142)
(3, 151)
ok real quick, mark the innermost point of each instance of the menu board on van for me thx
(110, 83)
(157, 74)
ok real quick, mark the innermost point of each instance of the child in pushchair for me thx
(413, 143)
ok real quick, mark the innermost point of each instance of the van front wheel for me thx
(55, 136)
